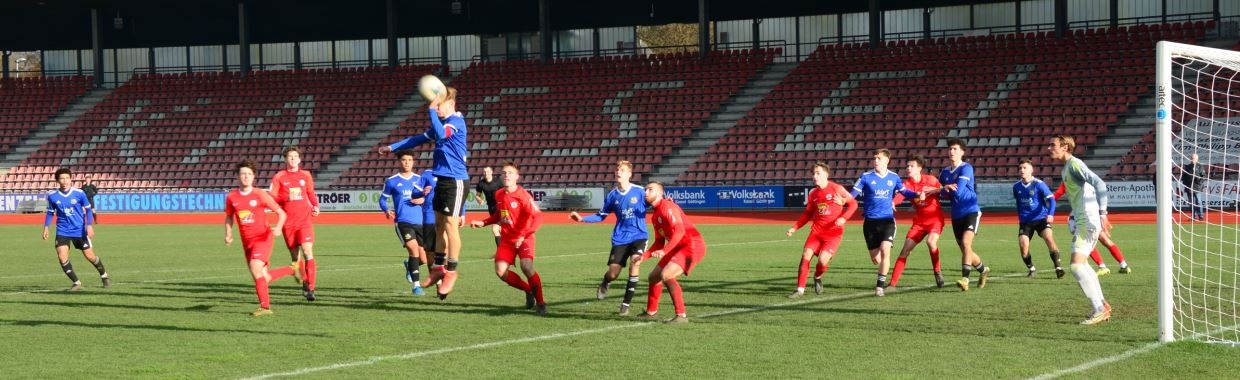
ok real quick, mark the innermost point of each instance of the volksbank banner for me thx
(728, 197)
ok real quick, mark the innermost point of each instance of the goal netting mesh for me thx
(1198, 112)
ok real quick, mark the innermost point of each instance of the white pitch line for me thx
(1125, 355)
(1099, 362)
(376, 359)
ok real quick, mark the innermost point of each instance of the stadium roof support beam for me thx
(544, 31)
(4, 66)
(703, 29)
(96, 47)
(243, 32)
(1114, 16)
(1061, 18)
(392, 52)
(597, 50)
(925, 22)
(876, 24)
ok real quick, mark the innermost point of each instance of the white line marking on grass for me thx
(376, 359)
(1125, 355)
(1098, 362)
(411, 355)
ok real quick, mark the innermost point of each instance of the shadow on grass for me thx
(39, 323)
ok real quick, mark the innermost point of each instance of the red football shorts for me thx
(922, 228)
(507, 253)
(686, 257)
(828, 241)
(258, 248)
(296, 235)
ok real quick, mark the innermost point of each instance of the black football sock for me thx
(67, 267)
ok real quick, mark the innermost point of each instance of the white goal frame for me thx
(1166, 184)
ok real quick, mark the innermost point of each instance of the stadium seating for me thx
(567, 123)
(25, 103)
(1003, 94)
(186, 131)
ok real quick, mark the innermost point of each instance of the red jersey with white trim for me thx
(516, 213)
(672, 231)
(294, 191)
(249, 210)
(823, 208)
(929, 209)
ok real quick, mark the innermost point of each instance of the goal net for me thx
(1198, 112)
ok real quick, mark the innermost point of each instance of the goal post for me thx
(1197, 112)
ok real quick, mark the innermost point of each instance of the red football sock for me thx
(895, 274)
(678, 299)
(934, 258)
(280, 272)
(536, 285)
(260, 287)
(1116, 253)
(1095, 257)
(802, 273)
(821, 268)
(652, 297)
(514, 280)
(311, 272)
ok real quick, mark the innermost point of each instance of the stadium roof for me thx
(65, 24)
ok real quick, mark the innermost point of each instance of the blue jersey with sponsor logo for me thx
(402, 190)
(964, 198)
(1034, 200)
(877, 191)
(629, 205)
(70, 209)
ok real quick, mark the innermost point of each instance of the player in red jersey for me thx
(519, 218)
(1105, 238)
(825, 207)
(293, 189)
(679, 247)
(927, 218)
(246, 205)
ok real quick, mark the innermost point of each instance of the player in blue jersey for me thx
(448, 131)
(430, 235)
(960, 188)
(1035, 205)
(72, 211)
(876, 188)
(628, 239)
(405, 189)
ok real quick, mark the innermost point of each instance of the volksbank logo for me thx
(745, 194)
(683, 195)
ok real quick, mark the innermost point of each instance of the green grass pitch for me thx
(180, 302)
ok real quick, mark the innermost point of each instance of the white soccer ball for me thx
(431, 87)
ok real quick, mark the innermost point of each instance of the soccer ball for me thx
(431, 87)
